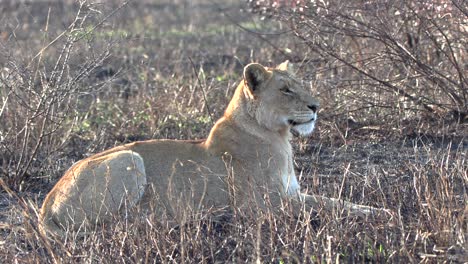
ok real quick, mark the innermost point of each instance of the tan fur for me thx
(246, 160)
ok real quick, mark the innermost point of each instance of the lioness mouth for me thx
(295, 123)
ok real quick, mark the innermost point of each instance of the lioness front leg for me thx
(316, 201)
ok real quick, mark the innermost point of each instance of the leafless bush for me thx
(386, 55)
(38, 107)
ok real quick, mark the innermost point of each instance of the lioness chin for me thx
(246, 161)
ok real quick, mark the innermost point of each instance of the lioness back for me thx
(96, 188)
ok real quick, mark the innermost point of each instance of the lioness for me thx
(246, 162)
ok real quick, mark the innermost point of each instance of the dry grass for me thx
(109, 80)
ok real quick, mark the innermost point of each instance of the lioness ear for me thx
(254, 75)
(286, 66)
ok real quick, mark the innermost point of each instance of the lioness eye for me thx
(286, 91)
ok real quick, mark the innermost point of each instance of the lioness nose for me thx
(313, 107)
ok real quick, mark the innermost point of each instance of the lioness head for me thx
(278, 100)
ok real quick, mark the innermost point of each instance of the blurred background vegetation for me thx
(78, 77)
